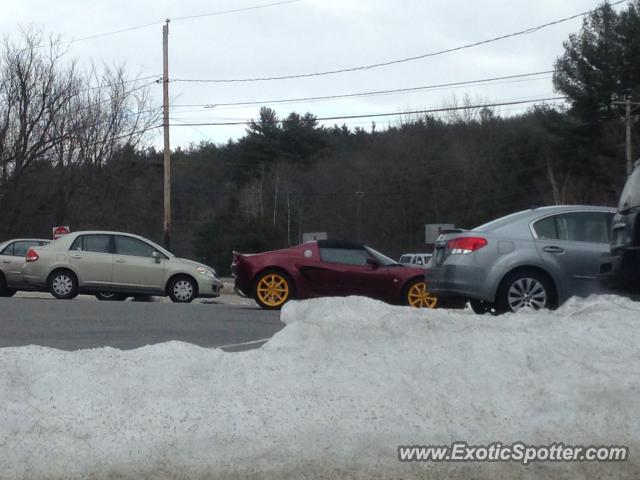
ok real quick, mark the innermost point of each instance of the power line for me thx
(235, 10)
(158, 79)
(377, 92)
(204, 107)
(390, 123)
(185, 121)
(175, 19)
(108, 99)
(120, 95)
(388, 114)
(219, 122)
(397, 61)
(195, 129)
(127, 135)
(523, 77)
(514, 102)
(115, 32)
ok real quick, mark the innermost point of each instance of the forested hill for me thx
(285, 178)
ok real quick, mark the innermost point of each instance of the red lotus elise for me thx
(327, 268)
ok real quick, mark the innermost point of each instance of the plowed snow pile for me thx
(332, 396)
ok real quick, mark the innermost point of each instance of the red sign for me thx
(60, 231)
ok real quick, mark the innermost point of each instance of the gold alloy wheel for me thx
(419, 297)
(273, 290)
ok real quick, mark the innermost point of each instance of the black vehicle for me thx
(621, 270)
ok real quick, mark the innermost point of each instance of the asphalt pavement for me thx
(80, 324)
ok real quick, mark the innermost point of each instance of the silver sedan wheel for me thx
(183, 290)
(62, 284)
(527, 292)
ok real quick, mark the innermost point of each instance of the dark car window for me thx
(77, 244)
(592, 227)
(8, 250)
(21, 248)
(97, 243)
(344, 255)
(546, 228)
(631, 193)
(133, 246)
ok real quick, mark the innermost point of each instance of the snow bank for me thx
(332, 395)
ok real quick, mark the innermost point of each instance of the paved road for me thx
(78, 324)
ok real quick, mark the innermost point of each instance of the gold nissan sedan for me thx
(114, 266)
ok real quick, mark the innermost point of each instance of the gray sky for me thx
(310, 36)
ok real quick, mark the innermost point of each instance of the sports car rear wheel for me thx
(273, 289)
(418, 296)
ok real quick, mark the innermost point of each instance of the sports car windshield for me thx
(383, 259)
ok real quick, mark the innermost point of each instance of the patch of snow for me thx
(332, 395)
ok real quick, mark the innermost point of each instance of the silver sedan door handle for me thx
(553, 249)
(6, 261)
(76, 256)
(121, 260)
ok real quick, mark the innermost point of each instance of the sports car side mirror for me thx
(373, 263)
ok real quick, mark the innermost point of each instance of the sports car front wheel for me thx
(417, 295)
(273, 289)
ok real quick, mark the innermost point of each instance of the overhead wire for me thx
(177, 19)
(526, 31)
(235, 10)
(388, 114)
(370, 93)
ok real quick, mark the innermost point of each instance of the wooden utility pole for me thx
(629, 120)
(167, 144)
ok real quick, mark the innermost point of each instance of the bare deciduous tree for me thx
(52, 114)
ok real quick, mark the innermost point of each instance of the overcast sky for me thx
(310, 36)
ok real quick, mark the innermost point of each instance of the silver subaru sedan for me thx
(114, 266)
(536, 258)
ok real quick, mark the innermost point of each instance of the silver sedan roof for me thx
(527, 216)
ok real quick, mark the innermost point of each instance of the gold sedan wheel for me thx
(419, 297)
(273, 290)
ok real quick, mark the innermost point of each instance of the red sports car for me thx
(326, 268)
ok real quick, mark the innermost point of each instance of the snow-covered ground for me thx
(332, 395)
